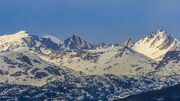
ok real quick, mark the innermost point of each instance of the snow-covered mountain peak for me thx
(156, 44)
(159, 34)
(13, 41)
(22, 33)
(162, 33)
(15, 36)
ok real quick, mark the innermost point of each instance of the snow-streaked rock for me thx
(170, 64)
(75, 43)
(23, 41)
(12, 41)
(156, 44)
(112, 60)
(26, 68)
(127, 43)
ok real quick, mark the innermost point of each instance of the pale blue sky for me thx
(94, 20)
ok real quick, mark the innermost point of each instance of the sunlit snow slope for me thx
(156, 44)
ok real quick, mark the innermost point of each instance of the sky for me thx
(97, 21)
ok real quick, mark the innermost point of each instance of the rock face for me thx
(127, 43)
(76, 43)
(170, 64)
(156, 44)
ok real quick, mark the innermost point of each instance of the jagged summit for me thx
(156, 44)
(161, 31)
(127, 43)
(76, 43)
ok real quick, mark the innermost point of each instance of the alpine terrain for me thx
(46, 68)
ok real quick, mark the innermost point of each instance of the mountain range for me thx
(46, 68)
